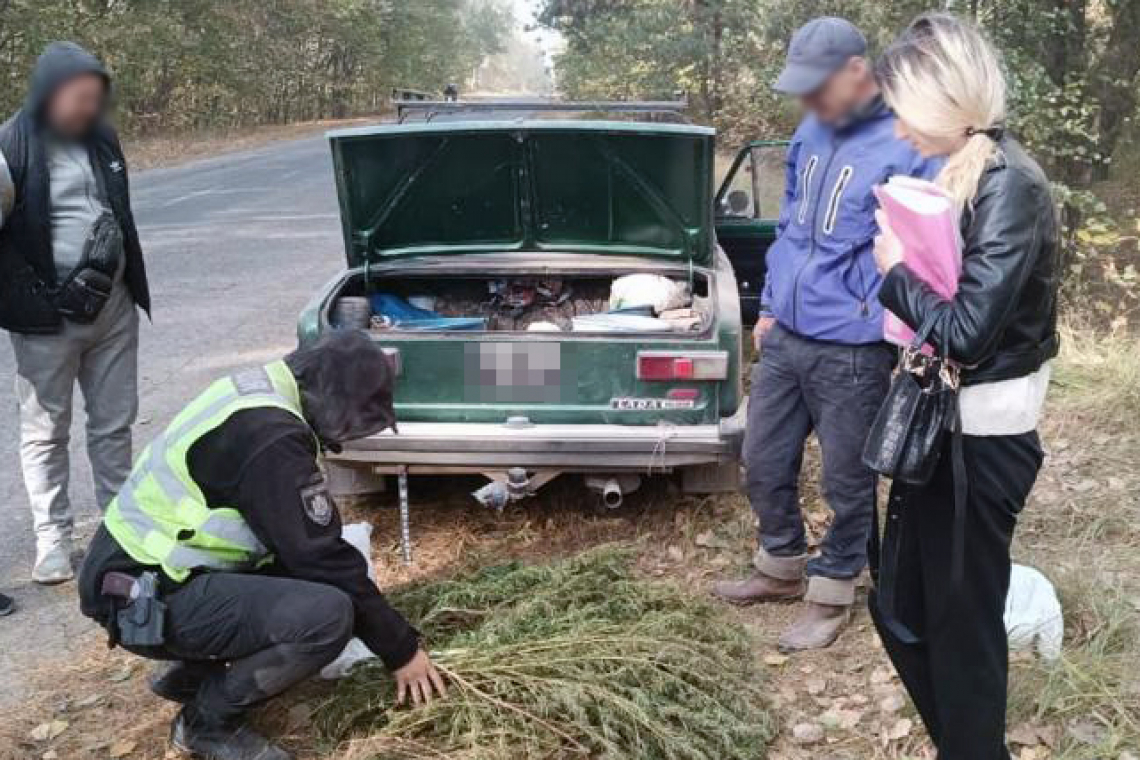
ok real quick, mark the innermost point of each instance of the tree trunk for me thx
(1113, 80)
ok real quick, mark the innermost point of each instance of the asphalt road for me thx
(235, 245)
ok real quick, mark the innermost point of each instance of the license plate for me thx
(513, 373)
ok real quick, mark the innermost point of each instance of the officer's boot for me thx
(207, 739)
(179, 681)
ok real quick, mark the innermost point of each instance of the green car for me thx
(554, 299)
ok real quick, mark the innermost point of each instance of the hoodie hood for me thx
(346, 383)
(59, 63)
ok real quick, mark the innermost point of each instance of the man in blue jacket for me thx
(825, 367)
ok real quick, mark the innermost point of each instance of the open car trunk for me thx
(570, 306)
(544, 346)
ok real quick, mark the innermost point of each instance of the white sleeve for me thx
(7, 191)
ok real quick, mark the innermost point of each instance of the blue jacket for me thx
(822, 282)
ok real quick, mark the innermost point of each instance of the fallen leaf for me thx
(892, 703)
(710, 540)
(1086, 732)
(45, 732)
(122, 749)
(900, 729)
(844, 719)
(123, 674)
(807, 733)
(90, 701)
(1024, 734)
(775, 660)
(815, 686)
(882, 674)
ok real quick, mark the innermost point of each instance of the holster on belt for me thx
(139, 617)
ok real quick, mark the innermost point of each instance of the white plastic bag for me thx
(360, 536)
(661, 293)
(1033, 613)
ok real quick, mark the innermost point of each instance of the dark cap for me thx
(818, 49)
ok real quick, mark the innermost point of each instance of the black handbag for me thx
(905, 440)
(905, 443)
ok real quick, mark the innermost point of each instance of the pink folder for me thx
(926, 222)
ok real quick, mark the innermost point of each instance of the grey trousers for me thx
(835, 390)
(103, 359)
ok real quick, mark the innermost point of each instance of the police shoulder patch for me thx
(317, 501)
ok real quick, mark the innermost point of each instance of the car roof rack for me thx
(432, 108)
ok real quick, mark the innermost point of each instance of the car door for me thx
(747, 212)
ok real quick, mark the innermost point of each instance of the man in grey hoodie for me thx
(71, 277)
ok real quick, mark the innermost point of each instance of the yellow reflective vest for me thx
(160, 516)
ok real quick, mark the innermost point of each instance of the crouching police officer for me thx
(223, 554)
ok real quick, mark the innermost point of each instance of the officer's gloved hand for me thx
(419, 678)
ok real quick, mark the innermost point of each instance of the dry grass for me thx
(575, 658)
(1082, 528)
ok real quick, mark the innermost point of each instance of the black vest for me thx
(27, 267)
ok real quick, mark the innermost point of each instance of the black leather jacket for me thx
(1003, 321)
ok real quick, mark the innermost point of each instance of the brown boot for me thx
(817, 627)
(759, 587)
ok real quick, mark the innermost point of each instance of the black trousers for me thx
(263, 633)
(957, 672)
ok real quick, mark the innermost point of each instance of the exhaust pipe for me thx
(613, 489)
(612, 495)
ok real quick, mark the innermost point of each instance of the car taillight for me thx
(682, 365)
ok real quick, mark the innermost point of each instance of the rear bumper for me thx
(481, 447)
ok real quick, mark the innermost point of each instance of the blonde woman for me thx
(945, 633)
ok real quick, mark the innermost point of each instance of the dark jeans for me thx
(956, 674)
(801, 386)
(273, 633)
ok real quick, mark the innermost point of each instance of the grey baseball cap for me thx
(818, 49)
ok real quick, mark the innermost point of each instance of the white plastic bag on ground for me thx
(661, 293)
(1033, 613)
(360, 536)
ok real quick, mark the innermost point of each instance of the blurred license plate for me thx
(508, 373)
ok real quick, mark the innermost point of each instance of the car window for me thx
(737, 198)
(768, 179)
(754, 187)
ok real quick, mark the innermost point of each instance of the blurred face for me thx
(926, 145)
(76, 105)
(842, 93)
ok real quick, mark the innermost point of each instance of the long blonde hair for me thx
(945, 81)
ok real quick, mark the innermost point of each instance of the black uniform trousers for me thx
(957, 672)
(261, 633)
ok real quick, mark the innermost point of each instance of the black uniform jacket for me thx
(259, 462)
(1003, 321)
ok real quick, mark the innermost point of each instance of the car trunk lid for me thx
(525, 186)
